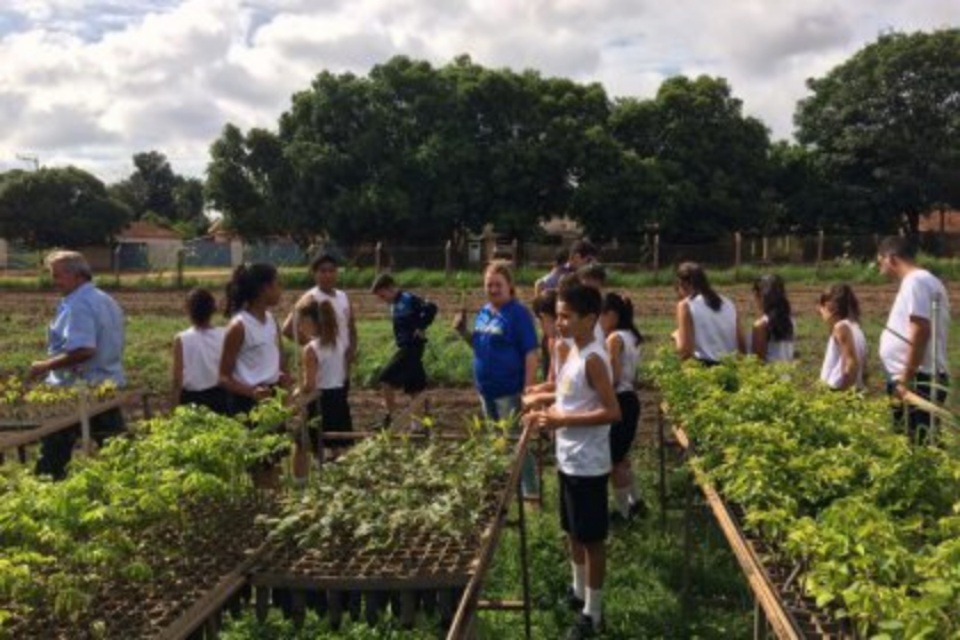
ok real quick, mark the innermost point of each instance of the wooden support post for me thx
(84, 406)
(335, 608)
(378, 257)
(661, 441)
(448, 259)
(819, 251)
(375, 601)
(262, 603)
(524, 562)
(116, 266)
(298, 607)
(656, 256)
(180, 259)
(765, 248)
(408, 608)
(516, 253)
(686, 598)
(737, 253)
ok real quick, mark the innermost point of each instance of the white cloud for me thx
(94, 81)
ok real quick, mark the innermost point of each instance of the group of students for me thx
(709, 328)
(230, 369)
(913, 343)
(586, 396)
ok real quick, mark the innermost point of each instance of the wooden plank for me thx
(12, 440)
(784, 625)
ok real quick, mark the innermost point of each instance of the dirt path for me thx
(657, 301)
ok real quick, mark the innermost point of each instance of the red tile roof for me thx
(143, 230)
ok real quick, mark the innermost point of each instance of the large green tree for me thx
(58, 207)
(154, 190)
(885, 126)
(712, 160)
(410, 151)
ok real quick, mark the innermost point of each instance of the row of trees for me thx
(427, 153)
(68, 207)
(423, 153)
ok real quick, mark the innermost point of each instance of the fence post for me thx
(448, 258)
(116, 266)
(180, 257)
(656, 256)
(377, 256)
(819, 251)
(516, 253)
(737, 253)
(765, 249)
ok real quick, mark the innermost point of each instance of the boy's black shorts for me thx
(583, 507)
(622, 433)
(405, 370)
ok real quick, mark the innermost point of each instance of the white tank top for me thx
(259, 359)
(629, 358)
(714, 332)
(202, 349)
(832, 370)
(341, 306)
(331, 369)
(582, 451)
(780, 350)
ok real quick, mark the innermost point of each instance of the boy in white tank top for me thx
(586, 405)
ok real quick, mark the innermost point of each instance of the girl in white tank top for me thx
(772, 338)
(623, 346)
(251, 364)
(196, 356)
(708, 327)
(846, 356)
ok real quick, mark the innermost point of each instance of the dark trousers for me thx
(915, 420)
(56, 450)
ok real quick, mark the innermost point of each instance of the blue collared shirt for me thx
(88, 318)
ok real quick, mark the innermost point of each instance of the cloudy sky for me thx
(91, 82)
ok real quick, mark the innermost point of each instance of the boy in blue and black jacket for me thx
(411, 317)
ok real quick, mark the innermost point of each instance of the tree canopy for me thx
(58, 207)
(155, 191)
(426, 153)
(885, 127)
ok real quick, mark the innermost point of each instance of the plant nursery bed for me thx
(21, 430)
(195, 570)
(789, 612)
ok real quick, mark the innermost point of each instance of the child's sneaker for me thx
(583, 627)
(574, 603)
(639, 510)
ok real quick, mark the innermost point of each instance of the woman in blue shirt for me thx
(504, 343)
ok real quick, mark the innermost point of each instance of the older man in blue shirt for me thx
(84, 345)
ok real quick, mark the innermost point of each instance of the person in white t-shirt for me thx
(845, 359)
(325, 271)
(196, 356)
(908, 339)
(586, 405)
(708, 326)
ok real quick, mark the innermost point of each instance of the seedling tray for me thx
(199, 570)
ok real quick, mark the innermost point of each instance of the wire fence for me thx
(651, 253)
